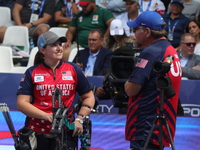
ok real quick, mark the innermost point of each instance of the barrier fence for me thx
(189, 94)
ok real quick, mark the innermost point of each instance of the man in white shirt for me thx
(152, 5)
(117, 7)
(130, 14)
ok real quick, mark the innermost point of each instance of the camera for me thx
(163, 67)
(162, 82)
(122, 65)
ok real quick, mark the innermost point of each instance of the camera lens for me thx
(161, 67)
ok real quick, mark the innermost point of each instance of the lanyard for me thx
(141, 5)
(68, 9)
(169, 25)
(42, 5)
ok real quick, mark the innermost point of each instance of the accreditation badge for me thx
(34, 17)
(170, 36)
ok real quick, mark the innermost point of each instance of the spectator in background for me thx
(117, 7)
(176, 22)
(90, 17)
(64, 13)
(191, 9)
(190, 62)
(35, 15)
(132, 8)
(3, 27)
(193, 27)
(7, 3)
(152, 5)
(117, 37)
(94, 60)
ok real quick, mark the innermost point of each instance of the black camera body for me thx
(115, 89)
(163, 82)
(122, 65)
(120, 71)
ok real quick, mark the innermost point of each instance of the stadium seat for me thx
(73, 53)
(5, 19)
(32, 57)
(60, 31)
(18, 36)
(6, 60)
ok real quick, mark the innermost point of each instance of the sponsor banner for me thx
(191, 110)
(189, 93)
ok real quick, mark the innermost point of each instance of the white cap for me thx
(116, 27)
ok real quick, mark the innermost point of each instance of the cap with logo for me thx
(116, 27)
(178, 1)
(84, 2)
(49, 38)
(149, 19)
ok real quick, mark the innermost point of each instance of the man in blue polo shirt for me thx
(144, 94)
(176, 22)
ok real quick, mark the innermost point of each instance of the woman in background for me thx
(117, 36)
(193, 27)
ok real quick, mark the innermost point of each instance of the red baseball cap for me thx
(84, 2)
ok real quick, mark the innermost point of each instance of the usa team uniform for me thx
(40, 80)
(145, 106)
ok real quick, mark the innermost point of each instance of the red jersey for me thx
(145, 106)
(40, 81)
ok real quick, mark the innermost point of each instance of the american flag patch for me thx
(22, 79)
(141, 63)
(67, 75)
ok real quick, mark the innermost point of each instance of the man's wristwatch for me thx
(79, 120)
(32, 25)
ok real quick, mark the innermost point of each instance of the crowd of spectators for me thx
(81, 16)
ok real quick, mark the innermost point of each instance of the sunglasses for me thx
(190, 44)
(135, 29)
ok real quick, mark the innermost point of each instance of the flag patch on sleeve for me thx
(141, 63)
